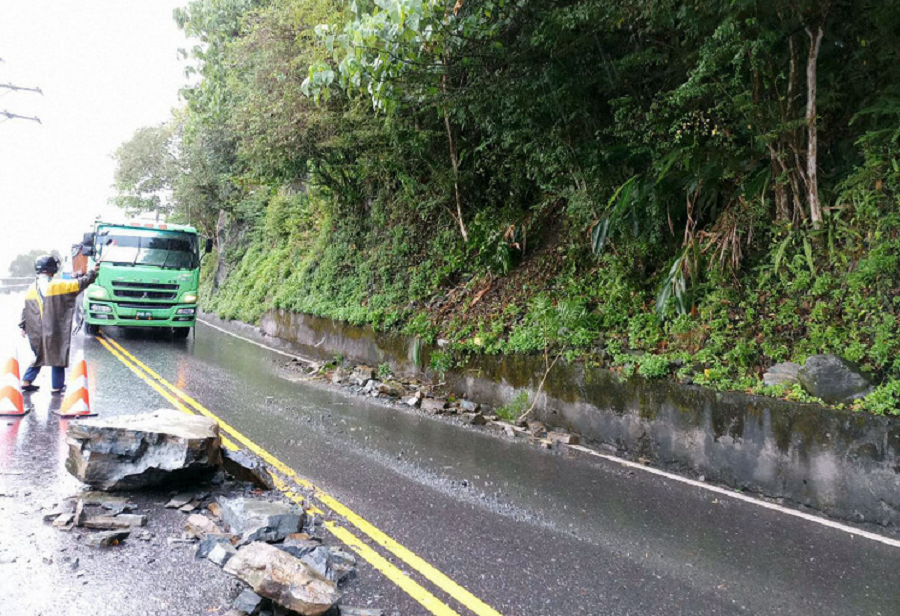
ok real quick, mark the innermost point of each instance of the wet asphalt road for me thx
(528, 531)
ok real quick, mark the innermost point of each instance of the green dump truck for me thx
(149, 276)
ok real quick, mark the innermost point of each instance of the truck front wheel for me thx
(91, 330)
(180, 333)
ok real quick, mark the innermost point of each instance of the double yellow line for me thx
(185, 403)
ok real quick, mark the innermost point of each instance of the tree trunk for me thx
(815, 207)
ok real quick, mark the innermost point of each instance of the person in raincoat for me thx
(47, 321)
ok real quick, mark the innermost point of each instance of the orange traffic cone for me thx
(11, 401)
(77, 403)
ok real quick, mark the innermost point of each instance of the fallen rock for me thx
(563, 437)
(390, 388)
(331, 563)
(338, 376)
(248, 602)
(107, 538)
(179, 500)
(833, 379)
(284, 579)
(137, 451)
(256, 520)
(109, 522)
(434, 405)
(536, 428)
(245, 467)
(475, 419)
(191, 506)
(208, 542)
(786, 374)
(362, 375)
(467, 406)
(414, 401)
(199, 526)
(299, 547)
(64, 520)
(221, 553)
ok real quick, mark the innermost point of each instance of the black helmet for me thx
(47, 264)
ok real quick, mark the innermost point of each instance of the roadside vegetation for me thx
(693, 191)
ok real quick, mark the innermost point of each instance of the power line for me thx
(10, 86)
(14, 116)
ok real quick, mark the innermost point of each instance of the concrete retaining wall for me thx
(842, 463)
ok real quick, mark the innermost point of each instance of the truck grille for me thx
(151, 286)
(145, 294)
(137, 306)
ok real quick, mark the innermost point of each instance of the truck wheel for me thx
(180, 333)
(91, 330)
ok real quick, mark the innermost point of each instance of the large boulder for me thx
(258, 520)
(782, 374)
(285, 579)
(833, 379)
(137, 451)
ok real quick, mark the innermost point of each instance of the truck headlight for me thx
(189, 298)
(186, 311)
(97, 292)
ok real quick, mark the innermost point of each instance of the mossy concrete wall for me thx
(842, 463)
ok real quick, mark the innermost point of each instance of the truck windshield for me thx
(137, 247)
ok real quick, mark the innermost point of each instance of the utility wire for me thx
(14, 116)
(10, 86)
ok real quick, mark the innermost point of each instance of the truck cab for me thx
(149, 276)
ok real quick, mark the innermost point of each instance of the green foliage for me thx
(631, 175)
(384, 371)
(654, 367)
(23, 265)
(515, 407)
(441, 362)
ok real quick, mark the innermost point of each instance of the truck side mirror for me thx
(87, 250)
(88, 239)
(209, 245)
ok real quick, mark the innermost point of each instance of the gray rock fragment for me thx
(221, 553)
(475, 419)
(434, 405)
(248, 602)
(179, 500)
(198, 526)
(360, 611)
(362, 375)
(467, 406)
(108, 522)
(785, 373)
(245, 467)
(286, 580)
(137, 451)
(565, 438)
(209, 542)
(107, 539)
(256, 520)
(833, 379)
(331, 563)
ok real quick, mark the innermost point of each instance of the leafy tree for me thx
(23, 265)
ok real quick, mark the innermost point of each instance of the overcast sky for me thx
(106, 68)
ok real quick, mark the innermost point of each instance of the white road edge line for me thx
(259, 344)
(894, 543)
(743, 497)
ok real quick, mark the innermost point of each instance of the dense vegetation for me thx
(697, 189)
